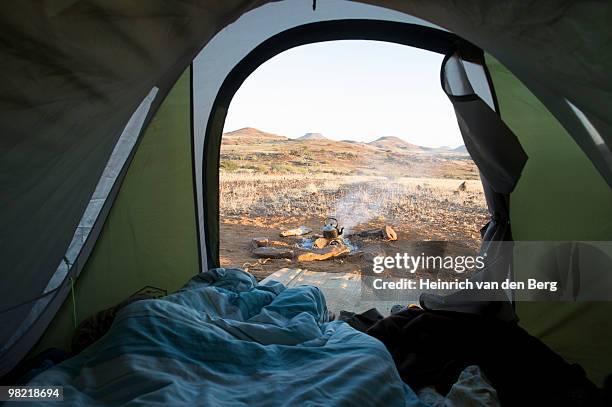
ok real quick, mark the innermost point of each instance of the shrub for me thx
(229, 166)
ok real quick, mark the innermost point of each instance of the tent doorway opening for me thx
(357, 131)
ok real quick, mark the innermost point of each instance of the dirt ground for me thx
(269, 183)
(238, 232)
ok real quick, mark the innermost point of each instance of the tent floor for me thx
(342, 290)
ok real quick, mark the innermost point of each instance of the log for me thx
(259, 242)
(270, 252)
(302, 230)
(371, 233)
(264, 241)
(388, 233)
(320, 243)
(323, 254)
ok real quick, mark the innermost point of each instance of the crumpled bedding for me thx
(472, 389)
(224, 340)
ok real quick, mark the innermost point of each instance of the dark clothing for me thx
(361, 322)
(433, 347)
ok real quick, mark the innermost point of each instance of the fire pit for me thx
(330, 243)
(311, 243)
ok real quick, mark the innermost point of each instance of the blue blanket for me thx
(224, 340)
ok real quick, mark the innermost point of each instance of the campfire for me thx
(332, 242)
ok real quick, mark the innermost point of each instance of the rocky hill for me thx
(394, 143)
(250, 135)
(312, 136)
(256, 151)
(460, 149)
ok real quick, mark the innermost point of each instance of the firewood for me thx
(323, 254)
(273, 252)
(388, 233)
(302, 230)
(320, 243)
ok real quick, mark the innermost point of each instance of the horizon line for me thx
(344, 139)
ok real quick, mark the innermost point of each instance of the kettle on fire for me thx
(330, 229)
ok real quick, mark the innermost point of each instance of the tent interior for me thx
(114, 111)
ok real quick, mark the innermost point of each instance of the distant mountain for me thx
(394, 143)
(254, 151)
(312, 136)
(250, 135)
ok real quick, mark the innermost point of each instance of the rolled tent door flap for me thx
(493, 146)
(500, 159)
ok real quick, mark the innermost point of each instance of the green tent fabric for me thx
(560, 197)
(149, 238)
(559, 182)
(81, 77)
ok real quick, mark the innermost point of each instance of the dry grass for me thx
(427, 204)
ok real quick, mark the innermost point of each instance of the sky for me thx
(356, 90)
